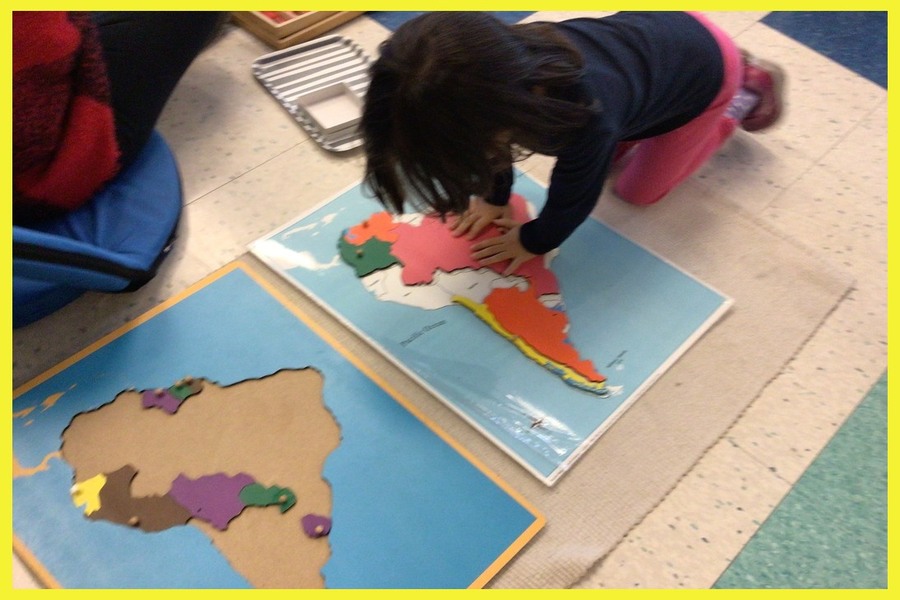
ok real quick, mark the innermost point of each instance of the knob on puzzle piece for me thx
(161, 399)
(316, 526)
(186, 387)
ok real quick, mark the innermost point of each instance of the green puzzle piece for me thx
(370, 256)
(256, 494)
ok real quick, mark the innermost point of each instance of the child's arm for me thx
(575, 185)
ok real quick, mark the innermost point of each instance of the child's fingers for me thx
(493, 242)
(460, 226)
(471, 224)
(488, 255)
(505, 223)
(478, 226)
(514, 264)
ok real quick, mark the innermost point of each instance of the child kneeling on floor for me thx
(457, 97)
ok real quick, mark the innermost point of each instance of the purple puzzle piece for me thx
(316, 526)
(161, 399)
(213, 498)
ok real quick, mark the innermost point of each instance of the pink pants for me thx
(660, 163)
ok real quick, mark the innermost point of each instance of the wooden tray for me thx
(282, 29)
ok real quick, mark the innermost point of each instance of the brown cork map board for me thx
(224, 440)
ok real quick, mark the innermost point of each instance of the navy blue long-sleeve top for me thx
(649, 73)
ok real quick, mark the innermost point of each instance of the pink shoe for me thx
(623, 149)
(767, 80)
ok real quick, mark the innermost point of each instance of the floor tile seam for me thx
(802, 492)
(694, 476)
(785, 370)
(857, 125)
(241, 175)
(735, 441)
(815, 163)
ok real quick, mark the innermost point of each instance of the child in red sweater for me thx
(88, 89)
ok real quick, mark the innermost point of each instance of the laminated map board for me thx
(623, 313)
(281, 461)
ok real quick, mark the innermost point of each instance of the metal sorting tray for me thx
(296, 72)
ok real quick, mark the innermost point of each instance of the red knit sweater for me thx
(64, 138)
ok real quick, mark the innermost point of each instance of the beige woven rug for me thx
(782, 292)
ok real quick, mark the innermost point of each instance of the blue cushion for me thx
(113, 243)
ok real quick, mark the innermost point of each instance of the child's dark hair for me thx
(448, 95)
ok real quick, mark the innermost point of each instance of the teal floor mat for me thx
(830, 531)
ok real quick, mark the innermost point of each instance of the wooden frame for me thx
(281, 29)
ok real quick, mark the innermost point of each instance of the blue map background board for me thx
(409, 510)
(630, 312)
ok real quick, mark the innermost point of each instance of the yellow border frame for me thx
(739, 5)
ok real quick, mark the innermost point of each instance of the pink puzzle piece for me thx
(431, 247)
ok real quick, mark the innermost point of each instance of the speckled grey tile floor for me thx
(819, 178)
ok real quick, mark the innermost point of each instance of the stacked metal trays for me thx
(287, 74)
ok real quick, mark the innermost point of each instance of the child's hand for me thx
(503, 247)
(479, 215)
